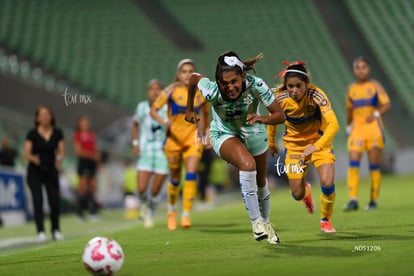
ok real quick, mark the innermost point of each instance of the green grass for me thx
(221, 243)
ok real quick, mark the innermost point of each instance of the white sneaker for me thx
(57, 236)
(259, 232)
(41, 237)
(94, 218)
(272, 238)
(148, 222)
(142, 211)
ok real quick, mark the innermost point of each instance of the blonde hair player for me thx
(310, 127)
(366, 102)
(147, 140)
(179, 144)
(237, 131)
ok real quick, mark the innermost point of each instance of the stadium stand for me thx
(388, 26)
(111, 48)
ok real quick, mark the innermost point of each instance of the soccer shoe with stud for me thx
(326, 227)
(41, 237)
(148, 222)
(372, 205)
(142, 211)
(272, 236)
(172, 220)
(351, 206)
(57, 236)
(185, 222)
(259, 231)
(308, 201)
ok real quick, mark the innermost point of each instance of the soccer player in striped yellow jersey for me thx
(310, 127)
(366, 102)
(180, 147)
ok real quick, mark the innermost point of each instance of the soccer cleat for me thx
(351, 206)
(41, 237)
(172, 220)
(327, 227)
(148, 222)
(142, 211)
(259, 231)
(371, 206)
(94, 218)
(272, 238)
(57, 236)
(308, 201)
(185, 222)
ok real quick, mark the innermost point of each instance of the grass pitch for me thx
(221, 243)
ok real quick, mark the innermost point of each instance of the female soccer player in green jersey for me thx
(238, 132)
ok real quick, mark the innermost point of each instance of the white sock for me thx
(142, 198)
(152, 206)
(264, 202)
(170, 207)
(248, 186)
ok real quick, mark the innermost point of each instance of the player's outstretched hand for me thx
(273, 150)
(253, 118)
(191, 117)
(309, 150)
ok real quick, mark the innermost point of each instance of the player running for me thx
(237, 131)
(366, 102)
(179, 144)
(310, 127)
(147, 140)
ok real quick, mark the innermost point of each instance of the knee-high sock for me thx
(173, 191)
(375, 173)
(327, 202)
(264, 202)
(353, 179)
(152, 205)
(142, 198)
(189, 192)
(248, 186)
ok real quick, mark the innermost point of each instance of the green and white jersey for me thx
(151, 133)
(230, 116)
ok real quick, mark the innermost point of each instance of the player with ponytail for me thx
(238, 132)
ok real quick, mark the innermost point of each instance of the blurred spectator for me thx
(44, 149)
(7, 154)
(84, 141)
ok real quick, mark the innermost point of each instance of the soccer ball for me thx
(102, 256)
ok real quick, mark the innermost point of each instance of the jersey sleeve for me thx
(348, 101)
(329, 118)
(136, 118)
(59, 134)
(162, 98)
(208, 88)
(31, 135)
(266, 95)
(382, 94)
(271, 135)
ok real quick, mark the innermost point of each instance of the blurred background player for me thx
(7, 153)
(44, 149)
(147, 139)
(84, 142)
(366, 102)
(238, 134)
(310, 127)
(179, 144)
